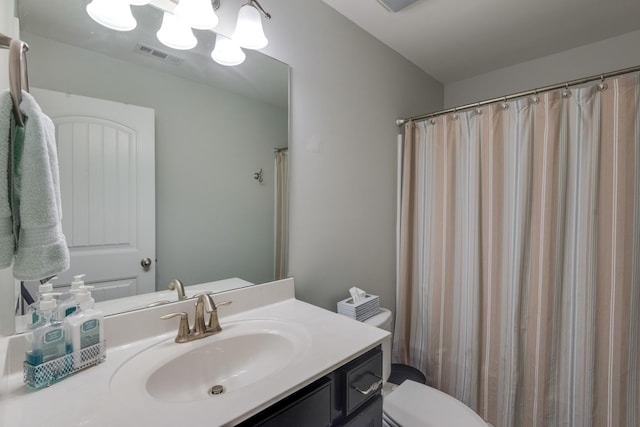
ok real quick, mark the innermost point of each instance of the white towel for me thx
(36, 208)
(7, 241)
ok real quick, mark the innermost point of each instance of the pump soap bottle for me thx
(70, 304)
(32, 311)
(84, 328)
(46, 340)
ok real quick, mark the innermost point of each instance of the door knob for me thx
(145, 263)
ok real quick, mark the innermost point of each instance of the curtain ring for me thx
(478, 110)
(504, 104)
(454, 116)
(566, 93)
(535, 99)
(602, 86)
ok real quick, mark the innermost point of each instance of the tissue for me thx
(357, 294)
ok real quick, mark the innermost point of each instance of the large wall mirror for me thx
(218, 132)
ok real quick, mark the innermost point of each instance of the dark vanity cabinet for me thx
(349, 396)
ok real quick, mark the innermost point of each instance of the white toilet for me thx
(412, 404)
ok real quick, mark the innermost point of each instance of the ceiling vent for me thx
(157, 54)
(396, 5)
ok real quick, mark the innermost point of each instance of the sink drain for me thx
(216, 389)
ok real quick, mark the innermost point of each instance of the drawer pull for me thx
(372, 388)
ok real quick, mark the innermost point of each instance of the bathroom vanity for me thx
(278, 361)
(349, 396)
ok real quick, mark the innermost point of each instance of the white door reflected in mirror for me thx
(107, 183)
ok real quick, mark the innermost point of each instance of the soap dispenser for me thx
(70, 304)
(46, 339)
(85, 327)
(43, 288)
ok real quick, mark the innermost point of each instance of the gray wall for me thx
(584, 61)
(214, 220)
(347, 89)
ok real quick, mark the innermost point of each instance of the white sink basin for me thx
(244, 353)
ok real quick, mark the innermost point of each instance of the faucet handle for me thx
(183, 330)
(214, 305)
(214, 323)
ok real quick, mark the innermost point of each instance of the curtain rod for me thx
(400, 122)
(279, 150)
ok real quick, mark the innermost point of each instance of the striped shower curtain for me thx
(519, 257)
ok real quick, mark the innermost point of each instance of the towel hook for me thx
(18, 76)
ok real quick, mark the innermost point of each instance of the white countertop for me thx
(86, 399)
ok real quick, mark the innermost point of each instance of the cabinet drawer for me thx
(362, 380)
(369, 416)
(310, 407)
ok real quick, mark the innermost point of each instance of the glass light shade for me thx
(139, 2)
(249, 33)
(197, 14)
(227, 52)
(114, 14)
(175, 33)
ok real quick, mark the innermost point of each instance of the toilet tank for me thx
(384, 320)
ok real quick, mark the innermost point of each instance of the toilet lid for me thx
(416, 405)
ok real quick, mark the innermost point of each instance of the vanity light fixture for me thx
(114, 14)
(227, 52)
(197, 14)
(175, 33)
(178, 21)
(249, 33)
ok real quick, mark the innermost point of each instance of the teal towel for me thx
(7, 239)
(41, 249)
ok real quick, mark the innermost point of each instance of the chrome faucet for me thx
(204, 304)
(176, 285)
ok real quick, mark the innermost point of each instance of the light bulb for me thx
(114, 14)
(197, 14)
(227, 52)
(175, 33)
(249, 33)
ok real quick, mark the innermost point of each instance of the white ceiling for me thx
(456, 39)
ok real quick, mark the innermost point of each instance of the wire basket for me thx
(45, 374)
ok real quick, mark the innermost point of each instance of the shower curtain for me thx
(519, 257)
